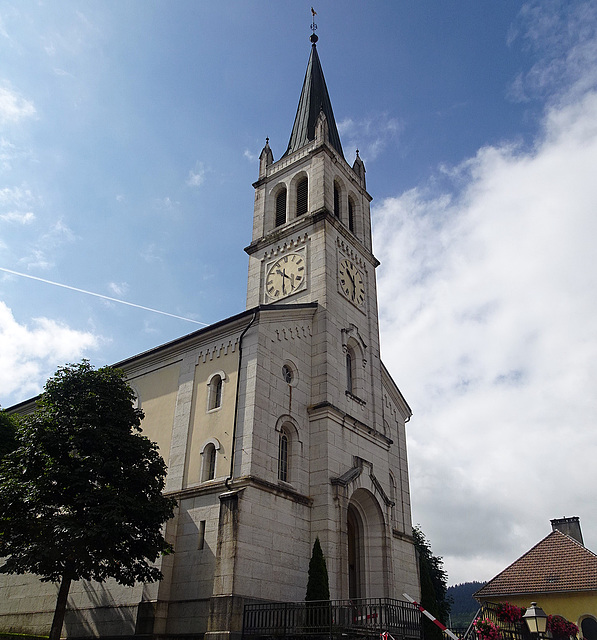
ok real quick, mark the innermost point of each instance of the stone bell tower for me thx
(329, 407)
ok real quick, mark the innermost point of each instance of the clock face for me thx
(351, 282)
(285, 276)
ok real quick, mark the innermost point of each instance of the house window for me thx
(349, 372)
(336, 200)
(209, 462)
(589, 628)
(350, 214)
(302, 197)
(281, 208)
(283, 457)
(216, 385)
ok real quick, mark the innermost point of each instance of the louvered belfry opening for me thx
(281, 208)
(302, 197)
(336, 201)
(350, 215)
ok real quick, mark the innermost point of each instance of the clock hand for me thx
(354, 286)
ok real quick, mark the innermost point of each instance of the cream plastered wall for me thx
(157, 394)
(213, 425)
(572, 606)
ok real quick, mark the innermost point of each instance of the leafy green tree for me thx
(81, 496)
(318, 586)
(434, 585)
(8, 433)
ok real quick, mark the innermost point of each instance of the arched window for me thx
(281, 208)
(349, 372)
(302, 197)
(351, 214)
(336, 200)
(283, 457)
(208, 469)
(216, 387)
(589, 628)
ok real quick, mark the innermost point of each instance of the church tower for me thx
(321, 422)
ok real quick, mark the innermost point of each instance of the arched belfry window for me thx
(302, 197)
(281, 208)
(336, 200)
(351, 214)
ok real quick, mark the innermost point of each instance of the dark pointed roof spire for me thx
(314, 99)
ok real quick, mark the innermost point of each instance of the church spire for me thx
(314, 100)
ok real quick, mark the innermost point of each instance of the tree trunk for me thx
(60, 610)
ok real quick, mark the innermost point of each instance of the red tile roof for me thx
(556, 564)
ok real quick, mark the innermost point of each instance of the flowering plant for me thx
(560, 627)
(486, 629)
(508, 612)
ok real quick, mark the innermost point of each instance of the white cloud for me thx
(118, 289)
(30, 354)
(18, 216)
(196, 176)
(488, 324)
(371, 135)
(40, 254)
(16, 196)
(13, 107)
(9, 152)
(152, 253)
(251, 157)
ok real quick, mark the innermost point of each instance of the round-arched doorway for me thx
(366, 553)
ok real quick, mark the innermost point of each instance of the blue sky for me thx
(129, 137)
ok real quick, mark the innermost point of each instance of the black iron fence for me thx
(333, 619)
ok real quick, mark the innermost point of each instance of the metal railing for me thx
(341, 619)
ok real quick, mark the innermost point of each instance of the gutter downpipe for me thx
(240, 357)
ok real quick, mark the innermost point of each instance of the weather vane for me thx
(313, 37)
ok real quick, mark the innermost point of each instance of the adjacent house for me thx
(559, 573)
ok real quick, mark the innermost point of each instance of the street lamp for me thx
(536, 619)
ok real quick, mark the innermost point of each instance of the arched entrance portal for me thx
(366, 553)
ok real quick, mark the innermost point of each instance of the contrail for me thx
(99, 295)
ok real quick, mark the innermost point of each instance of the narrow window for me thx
(302, 197)
(201, 541)
(350, 215)
(287, 374)
(349, 380)
(336, 201)
(215, 392)
(283, 458)
(281, 208)
(209, 462)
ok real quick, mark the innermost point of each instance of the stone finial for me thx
(322, 131)
(359, 168)
(266, 157)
